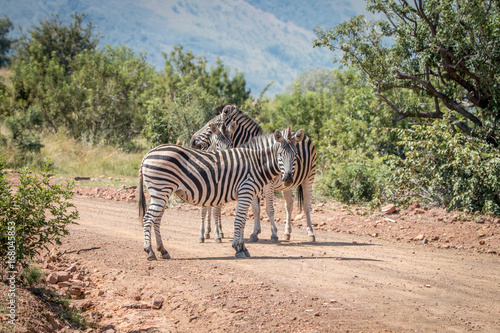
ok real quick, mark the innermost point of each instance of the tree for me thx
(183, 69)
(312, 79)
(54, 40)
(5, 43)
(446, 51)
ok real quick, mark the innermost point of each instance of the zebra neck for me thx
(269, 161)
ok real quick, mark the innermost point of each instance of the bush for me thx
(357, 180)
(35, 215)
(445, 168)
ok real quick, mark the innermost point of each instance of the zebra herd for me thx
(229, 160)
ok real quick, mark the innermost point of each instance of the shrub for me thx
(354, 181)
(35, 215)
(446, 168)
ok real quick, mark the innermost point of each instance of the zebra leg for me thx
(307, 193)
(256, 220)
(159, 242)
(269, 193)
(239, 225)
(152, 217)
(219, 219)
(287, 194)
(217, 224)
(203, 211)
(208, 228)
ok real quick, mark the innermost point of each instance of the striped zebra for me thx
(221, 139)
(303, 180)
(213, 178)
(247, 129)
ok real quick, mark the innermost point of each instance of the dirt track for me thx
(340, 283)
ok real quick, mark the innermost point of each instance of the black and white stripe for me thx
(303, 179)
(246, 129)
(213, 178)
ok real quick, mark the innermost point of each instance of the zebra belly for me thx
(204, 202)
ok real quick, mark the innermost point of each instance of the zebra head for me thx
(287, 153)
(222, 136)
(202, 139)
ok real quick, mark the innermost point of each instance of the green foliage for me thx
(354, 179)
(442, 53)
(445, 168)
(312, 80)
(54, 40)
(183, 69)
(32, 274)
(5, 43)
(175, 121)
(35, 215)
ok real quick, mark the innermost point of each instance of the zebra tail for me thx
(300, 194)
(142, 198)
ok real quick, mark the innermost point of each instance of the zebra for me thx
(303, 181)
(213, 178)
(247, 129)
(220, 139)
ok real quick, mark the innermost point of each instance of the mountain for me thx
(269, 41)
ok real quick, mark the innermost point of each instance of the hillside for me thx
(267, 41)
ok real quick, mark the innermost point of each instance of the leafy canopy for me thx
(445, 51)
(5, 42)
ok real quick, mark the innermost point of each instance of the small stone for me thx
(419, 237)
(239, 311)
(71, 268)
(100, 292)
(414, 206)
(157, 303)
(76, 291)
(64, 284)
(419, 211)
(62, 276)
(388, 209)
(299, 217)
(51, 278)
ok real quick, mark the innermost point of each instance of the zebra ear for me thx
(278, 136)
(289, 133)
(299, 136)
(214, 127)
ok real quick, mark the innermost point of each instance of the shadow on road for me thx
(277, 258)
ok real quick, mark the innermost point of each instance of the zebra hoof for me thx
(247, 254)
(201, 240)
(311, 238)
(207, 236)
(165, 255)
(152, 256)
(241, 254)
(274, 239)
(221, 235)
(253, 238)
(218, 240)
(286, 237)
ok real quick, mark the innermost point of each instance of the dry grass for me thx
(73, 158)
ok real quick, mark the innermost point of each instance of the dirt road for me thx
(340, 283)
